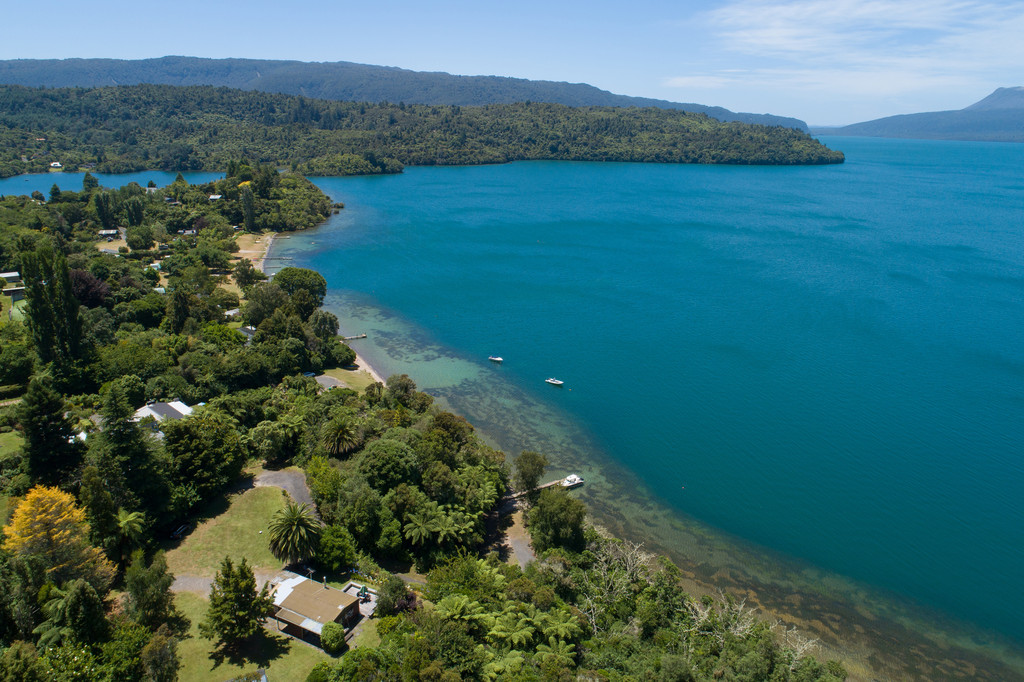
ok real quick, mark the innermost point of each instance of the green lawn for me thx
(10, 443)
(234, 532)
(285, 659)
(367, 635)
(356, 379)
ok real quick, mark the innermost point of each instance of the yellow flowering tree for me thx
(49, 525)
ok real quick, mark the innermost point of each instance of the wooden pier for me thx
(552, 484)
(357, 336)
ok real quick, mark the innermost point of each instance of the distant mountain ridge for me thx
(996, 118)
(344, 81)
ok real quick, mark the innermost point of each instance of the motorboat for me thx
(495, 358)
(554, 382)
(571, 481)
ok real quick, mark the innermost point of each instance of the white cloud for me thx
(903, 54)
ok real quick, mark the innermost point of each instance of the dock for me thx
(552, 484)
(357, 336)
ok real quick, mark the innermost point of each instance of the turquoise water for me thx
(808, 380)
(830, 360)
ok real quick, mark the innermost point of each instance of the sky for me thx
(827, 62)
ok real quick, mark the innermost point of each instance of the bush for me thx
(332, 638)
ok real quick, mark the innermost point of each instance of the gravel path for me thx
(292, 482)
(199, 585)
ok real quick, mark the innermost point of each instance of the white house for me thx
(161, 411)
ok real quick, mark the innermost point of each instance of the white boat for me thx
(571, 481)
(554, 382)
(494, 358)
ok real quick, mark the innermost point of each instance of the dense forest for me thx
(122, 129)
(90, 494)
(343, 81)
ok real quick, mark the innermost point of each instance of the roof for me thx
(161, 411)
(10, 275)
(309, 604)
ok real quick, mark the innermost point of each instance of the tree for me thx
(263, 300)
(49, 525)
(100, 510)
(138, 237)
(150, 600)
(294, 533)
(386, 463)
(393, 596)
(53, 316)
(337, 550)
(332, 639)
(248, 208)
(246, 275)
(130, 527)
(292, 280)
(160, 656)
(122, 652)
(529, 469)
(54, 193)
(237, 610)
(206, 455)
(89, 182)
(557, 521)
(51, 450)
(74, 613)
(20, 663)
(340, 436)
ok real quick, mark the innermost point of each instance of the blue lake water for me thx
(811, 379)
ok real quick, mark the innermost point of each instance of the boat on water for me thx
(554, 382)
(571, 481)
(495, 358)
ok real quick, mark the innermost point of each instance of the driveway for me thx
(291, 481)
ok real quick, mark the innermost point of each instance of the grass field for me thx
(285, 659)
(356, 379)
(10, 443)
(232, 527)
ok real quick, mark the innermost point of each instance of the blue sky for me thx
(824, 61)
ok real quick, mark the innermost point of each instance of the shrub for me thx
(332, 638)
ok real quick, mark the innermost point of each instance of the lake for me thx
(806, 385)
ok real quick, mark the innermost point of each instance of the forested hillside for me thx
(997, 118)
(344, 81)
(191, 128)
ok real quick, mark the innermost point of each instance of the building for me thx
(302, 607)
(161, 411)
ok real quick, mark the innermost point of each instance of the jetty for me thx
(357, 336)
(552, 484)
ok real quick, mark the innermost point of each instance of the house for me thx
(56, 164)
(302, 607)
(249, 332)
(160, 411)
(109, 234)
(215, 197)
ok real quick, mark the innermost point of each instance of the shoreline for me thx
(259, 261)
(845, 622)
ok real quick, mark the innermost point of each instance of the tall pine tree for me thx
(50, 451)
(53, 313)
(237, 611)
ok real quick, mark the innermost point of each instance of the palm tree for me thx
(294, 533)
(560, 624)
(130, 526)
(556, 650)
(420, 527)
(340, 436)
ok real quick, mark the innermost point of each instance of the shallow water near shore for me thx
(804, 384)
